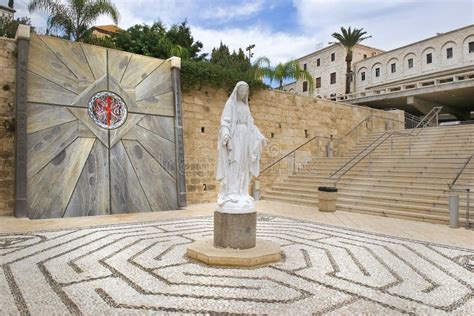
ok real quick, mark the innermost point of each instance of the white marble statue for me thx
(240, 144)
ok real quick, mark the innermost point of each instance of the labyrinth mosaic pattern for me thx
(130, 268)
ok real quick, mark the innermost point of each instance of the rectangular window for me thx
(365, 56)
(333, 78)
(393, 68)
(410, 63)
(429, 58)
(333, 56)
(305, 86)
(377, 72)
(304, 67)
(362, 76)
(318, 82)
(471, 47)
(318, 62)
(449, 53)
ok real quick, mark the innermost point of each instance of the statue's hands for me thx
(225, 139)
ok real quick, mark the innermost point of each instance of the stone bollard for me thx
(327, 197)
(453, 204)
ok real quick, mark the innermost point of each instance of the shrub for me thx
(199, 74)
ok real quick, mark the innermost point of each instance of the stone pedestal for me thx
(235, 243)
(236, 231)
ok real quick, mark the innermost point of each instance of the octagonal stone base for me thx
(264, 252)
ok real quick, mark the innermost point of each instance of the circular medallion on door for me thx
(107, 109)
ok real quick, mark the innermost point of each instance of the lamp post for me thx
(249, 49)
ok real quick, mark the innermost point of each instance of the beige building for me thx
(435, 71)
(6, 12)
(328, 68)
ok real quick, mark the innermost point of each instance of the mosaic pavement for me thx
(141, 268)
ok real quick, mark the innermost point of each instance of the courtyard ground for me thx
(340, 263)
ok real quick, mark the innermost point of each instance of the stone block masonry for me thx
(7, 114)
(286, 120)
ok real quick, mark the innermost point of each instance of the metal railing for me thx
(433, 114)
(292, 153)
(453, 183)
(411, 85)
(411, 120)
(351, 163)
(333, 145)
(463, 190)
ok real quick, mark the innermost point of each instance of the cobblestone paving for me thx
(141, 268)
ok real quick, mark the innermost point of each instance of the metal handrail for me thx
(389, 133)
(367, 119)
(434, 111)
(325, 137)
(293, 151)
(413, 119)
(359, 153)
(468, 160)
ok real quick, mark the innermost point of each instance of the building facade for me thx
(437, 71)
(328, 68)
(435, 56)
(6, 12)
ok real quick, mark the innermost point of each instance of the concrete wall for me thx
(292, 120)
(7, 113)
(458, 40)
(327, 67)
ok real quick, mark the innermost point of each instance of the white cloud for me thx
(277, 46)
(391, 23)
(234, 11)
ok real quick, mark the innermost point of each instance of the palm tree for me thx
(74, 17)
(289, 70)
(261, 68)
(349, 39)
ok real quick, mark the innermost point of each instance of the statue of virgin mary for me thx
(239, 147)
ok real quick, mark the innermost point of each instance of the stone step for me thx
(393, 172)
(435, 219)
(374, 180)
(421, 202)
(392, 192)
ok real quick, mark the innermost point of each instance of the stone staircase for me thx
(407, 178)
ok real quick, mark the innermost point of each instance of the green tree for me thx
(73, 18)
(150, 41)
(349, 39)
(8, 26)
(180, 34)
(285, 71)
(236, 60)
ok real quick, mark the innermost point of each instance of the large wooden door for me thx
(100, 131)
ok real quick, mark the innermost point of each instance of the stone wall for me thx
(287, 120)
(7, 114)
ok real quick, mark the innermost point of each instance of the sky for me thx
(286, 29)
